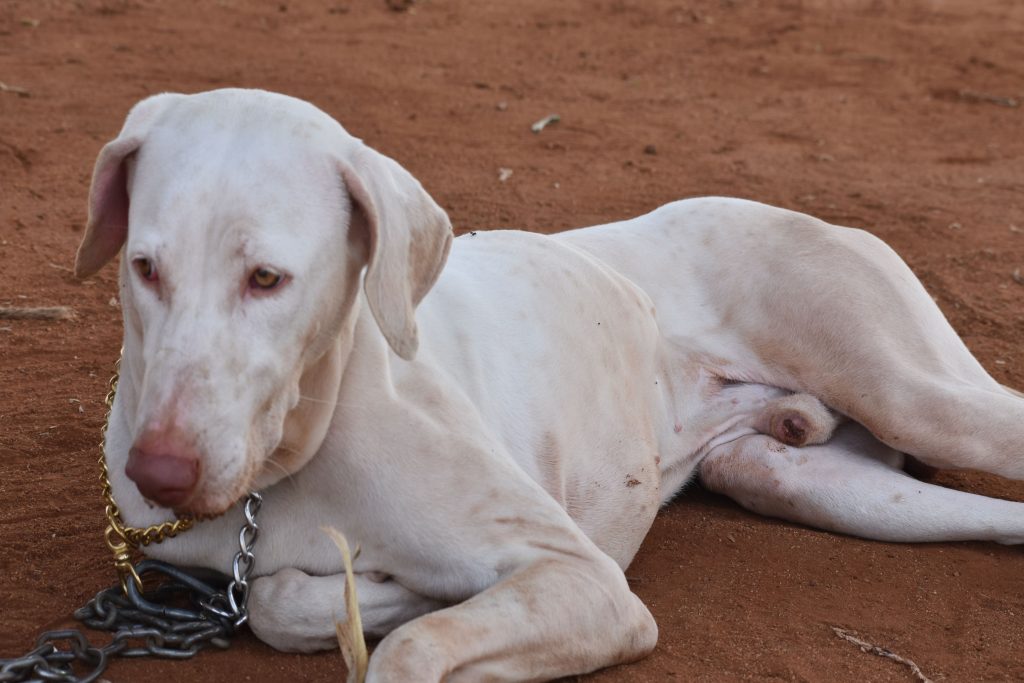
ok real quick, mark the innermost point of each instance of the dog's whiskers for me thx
(271, 461)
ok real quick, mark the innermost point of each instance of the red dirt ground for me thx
(901, 117)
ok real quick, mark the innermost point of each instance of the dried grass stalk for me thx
(873, 649)
(350, 633)
(35, 313)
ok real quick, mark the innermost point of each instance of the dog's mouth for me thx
(200, 508)
(183, 461)
(206, 505)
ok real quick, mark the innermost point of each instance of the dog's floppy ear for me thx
(409, 236)
(107, 227)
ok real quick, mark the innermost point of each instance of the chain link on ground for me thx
(148, 623)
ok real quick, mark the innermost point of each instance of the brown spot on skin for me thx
(776, 447)
(897, 498)
(631, 482)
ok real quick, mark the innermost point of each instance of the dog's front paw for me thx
(287, 611)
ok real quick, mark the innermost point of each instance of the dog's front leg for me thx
(296, 612)
(562, 615)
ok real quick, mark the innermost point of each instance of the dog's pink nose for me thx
(163, 467)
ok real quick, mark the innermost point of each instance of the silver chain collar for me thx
(147, 624)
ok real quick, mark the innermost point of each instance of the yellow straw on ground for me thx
(350, 634)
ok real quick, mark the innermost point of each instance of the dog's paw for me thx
(798, 420)
(286, 613)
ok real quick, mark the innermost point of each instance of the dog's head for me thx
(247, 221)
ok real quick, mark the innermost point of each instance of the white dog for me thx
(497, 426)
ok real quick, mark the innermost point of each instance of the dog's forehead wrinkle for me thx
(239, 229)
(254, 171)
(258, 182)
(211, 267)
(233, 135)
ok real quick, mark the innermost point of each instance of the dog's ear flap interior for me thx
(107, 227)
(409, 236)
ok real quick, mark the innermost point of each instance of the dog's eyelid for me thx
(146, 268)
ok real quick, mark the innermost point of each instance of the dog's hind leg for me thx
(850, 324)
(295, 612)
(774, 297)
(765, 296)
(853, 484)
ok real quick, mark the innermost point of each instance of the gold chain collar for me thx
(119, 536)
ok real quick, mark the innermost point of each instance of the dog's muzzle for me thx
(164, 468)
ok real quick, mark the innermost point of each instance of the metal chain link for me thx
(149, 623)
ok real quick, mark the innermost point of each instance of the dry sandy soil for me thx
(901, 117)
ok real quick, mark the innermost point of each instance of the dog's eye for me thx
(264, 278)
(145, 269)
